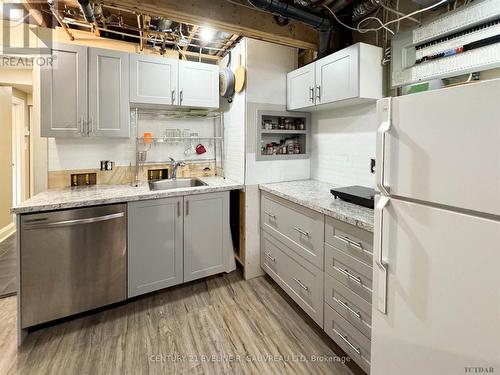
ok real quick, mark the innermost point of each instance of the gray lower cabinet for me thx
(325, 266)
(206, 231)
(155, 245)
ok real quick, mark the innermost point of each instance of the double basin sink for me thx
(176, 183)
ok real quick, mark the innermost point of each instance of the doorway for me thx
(20, 152)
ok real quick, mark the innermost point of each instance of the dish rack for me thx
(176, 137)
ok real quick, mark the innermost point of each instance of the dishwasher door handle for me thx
(65, 223)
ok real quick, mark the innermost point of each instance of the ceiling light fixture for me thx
(207, 34)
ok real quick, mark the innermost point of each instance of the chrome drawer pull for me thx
(357, 350)
(301, 285)
(301, 231)
(270, 257)
(348, 241)
(349, 275)
(270, 214)
(345, 305)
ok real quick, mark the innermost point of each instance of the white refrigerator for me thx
(436, 294)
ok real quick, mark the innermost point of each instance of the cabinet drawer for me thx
(348, 338)
(349, 305)
(300, 229)
(351, 240)
(351, 272)
(303, 282)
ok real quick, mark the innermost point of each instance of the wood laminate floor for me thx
(219, 325)
(8, 268)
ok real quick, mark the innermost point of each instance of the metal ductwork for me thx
(87, 10)
(321, 23)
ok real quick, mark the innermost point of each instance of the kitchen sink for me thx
(175, 183)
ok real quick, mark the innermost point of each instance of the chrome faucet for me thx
(173, 167)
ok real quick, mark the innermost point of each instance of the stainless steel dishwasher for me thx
(72, 261)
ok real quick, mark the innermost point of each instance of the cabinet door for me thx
(153, 80)
(63, 93)
(300, 88)
(337, 76)
(198, 84)
(155, 245)
(109, 113)
(206, 230)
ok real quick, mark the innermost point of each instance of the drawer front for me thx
(352, 240)
(349, 305)
(302, 282)
(301, 229)
(351, 272)
(348, 338)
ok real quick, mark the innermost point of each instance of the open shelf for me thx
(290, 131)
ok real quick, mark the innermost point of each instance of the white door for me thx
(153, 80)
(443, 295)
(443, 146)
(63, 93)
(155, 245)
(337, 76)
(206, 232)
(300, 88)
(198, 84)
(109, 111)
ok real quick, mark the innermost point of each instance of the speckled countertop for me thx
(316, 196)
(56, 199)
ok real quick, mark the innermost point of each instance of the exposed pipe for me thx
(59, 20)
(88, 12)
(286, 10)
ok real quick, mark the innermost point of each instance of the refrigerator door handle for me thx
(381, 273)
(384, 109)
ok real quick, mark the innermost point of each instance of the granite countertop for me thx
(316, 196)
(56, 199)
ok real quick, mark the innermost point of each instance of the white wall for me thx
(343, 141)
(234, 122)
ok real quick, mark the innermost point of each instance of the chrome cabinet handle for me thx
(382, 266)
(318, 94)
(178, 208)
(349, 275)
(357, 350)
(270, 214)
(76, 221)
(173, 96)
(306, 288)
(301, 231)
(271, 258)
(181, 96)
(384, 105)
(311, 94)
(348, 241)
(187, 207)
(345, 305)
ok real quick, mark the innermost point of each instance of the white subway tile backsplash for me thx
(342, 143)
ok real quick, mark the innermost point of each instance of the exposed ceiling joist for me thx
(35, 9)
(192, 33)
(227, 16)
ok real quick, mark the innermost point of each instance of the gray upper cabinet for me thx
(155, 245)
(198, 84)
(63, 93)
(109, 111)
(153, 80)
(206, 230)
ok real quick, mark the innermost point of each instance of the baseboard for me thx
(7, 231)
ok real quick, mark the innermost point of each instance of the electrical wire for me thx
(395, 11)
(383, 25)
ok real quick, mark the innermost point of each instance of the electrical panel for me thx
(463, 41)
